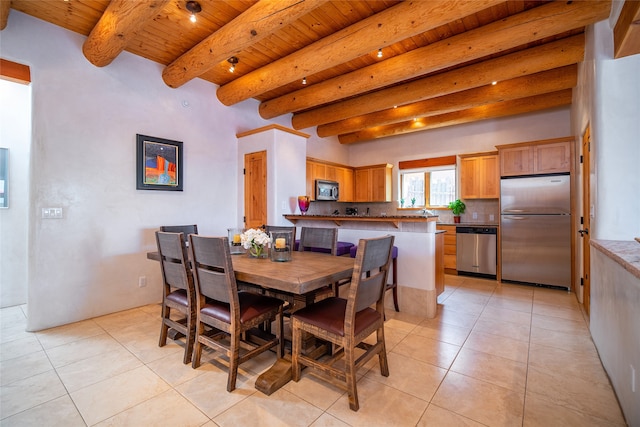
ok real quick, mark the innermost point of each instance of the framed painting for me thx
(159, 164)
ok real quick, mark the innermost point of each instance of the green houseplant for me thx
(457, 207)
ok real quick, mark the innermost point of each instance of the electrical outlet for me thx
(475, 215)
(491, 217)
(142, 281)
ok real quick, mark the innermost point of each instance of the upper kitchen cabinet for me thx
(536, 157)
(343, 175)
(373, 183)
(479, 176)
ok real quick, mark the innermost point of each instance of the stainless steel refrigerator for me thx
(535, 230)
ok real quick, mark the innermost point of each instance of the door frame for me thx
(585, 238)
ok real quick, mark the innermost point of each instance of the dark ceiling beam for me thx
(535, 24)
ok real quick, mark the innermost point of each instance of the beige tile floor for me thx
(496, 355)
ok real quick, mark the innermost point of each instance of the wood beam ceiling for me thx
(256, 23)
(390, 26)
(117, 27)
(519, 29)
(541, 58)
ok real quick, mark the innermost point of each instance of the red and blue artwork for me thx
(160, 164)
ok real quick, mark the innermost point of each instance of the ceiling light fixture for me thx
(304, 80)
(494, 83)
(233, 61)
(193, 7)
(379, 53)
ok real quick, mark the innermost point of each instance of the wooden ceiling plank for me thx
(534, 24)
(501, 109)
(258, 22)
(520, 87)
(626, 33)
(387, 27)
(541, 58)
(118, 25)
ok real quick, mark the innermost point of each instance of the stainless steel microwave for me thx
(327, 190)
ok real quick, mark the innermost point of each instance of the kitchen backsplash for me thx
(486, 211)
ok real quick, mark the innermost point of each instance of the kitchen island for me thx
(419, 277)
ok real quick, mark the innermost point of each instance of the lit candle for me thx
(236, 238)
(280, 243)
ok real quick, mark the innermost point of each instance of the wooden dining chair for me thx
(185, 229)
(346, 323)
(178, 291)
(318, 238)
(231, 312)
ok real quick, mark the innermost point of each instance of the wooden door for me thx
(586, 221)
(255, 189)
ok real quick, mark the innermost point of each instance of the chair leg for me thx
(395, 284)
(350, 373)
(279, 333)
(234, 354)
(382, 355)
(190, 338)
(164, 328)
(197, 346)
(296, 347)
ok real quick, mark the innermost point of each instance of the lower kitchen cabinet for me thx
(449, 247)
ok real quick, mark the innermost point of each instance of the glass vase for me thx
(281, 245)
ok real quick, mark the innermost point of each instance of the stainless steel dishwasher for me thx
(476, 251)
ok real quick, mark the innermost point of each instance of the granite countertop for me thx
(624, 252)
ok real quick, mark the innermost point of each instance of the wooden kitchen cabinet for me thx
(450, 263)
(373, 183)
(536, 157)
(480, 176)
(343, 175)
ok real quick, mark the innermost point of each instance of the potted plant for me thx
(457, 207)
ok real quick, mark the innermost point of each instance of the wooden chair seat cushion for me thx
(329, 313)
(179, 296)
(251, 306)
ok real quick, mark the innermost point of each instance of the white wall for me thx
(608, 98)
(85, 121)
(15, 134)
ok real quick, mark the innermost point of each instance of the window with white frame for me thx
(431, 186)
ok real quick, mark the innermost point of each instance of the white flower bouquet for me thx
(255, 240)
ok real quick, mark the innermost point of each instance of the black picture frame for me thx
(159, 164)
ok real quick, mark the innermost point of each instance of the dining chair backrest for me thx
(185, 229)
(213, 270)
(273, 228)
(369, 275)
(319, 238)
(173, 260)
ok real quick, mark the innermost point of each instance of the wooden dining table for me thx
(294, 281)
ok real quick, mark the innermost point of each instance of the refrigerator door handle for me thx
(520, 218)
(514, 210)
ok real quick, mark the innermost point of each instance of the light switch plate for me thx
(51, 213)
